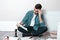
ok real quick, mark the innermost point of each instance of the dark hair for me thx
(38, 6)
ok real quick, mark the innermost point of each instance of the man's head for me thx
(37, 8)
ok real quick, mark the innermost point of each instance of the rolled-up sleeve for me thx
(25, 18)
(42, 24)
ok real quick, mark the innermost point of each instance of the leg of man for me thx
(31, 30)
(22, 30)
(42, 30)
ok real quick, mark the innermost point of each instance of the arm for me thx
(42, 21)
(41, 18)
(24, 20)
(22, 23)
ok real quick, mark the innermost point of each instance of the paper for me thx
(22, 27)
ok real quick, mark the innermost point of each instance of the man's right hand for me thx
(21, 25)
(18, 24)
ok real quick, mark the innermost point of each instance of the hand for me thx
(21, 23)
(40, 12)
(18, 24)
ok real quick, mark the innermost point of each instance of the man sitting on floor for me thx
(33, 21)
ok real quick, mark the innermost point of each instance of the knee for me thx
(18, 27)
(46, 28)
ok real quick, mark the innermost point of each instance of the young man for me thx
(33, 21)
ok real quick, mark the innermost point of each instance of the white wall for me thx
(14, 10)
(52, 19)
(58, 35)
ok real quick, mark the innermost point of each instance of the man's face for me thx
(36, 10)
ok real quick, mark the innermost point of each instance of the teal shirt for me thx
(27, 20)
